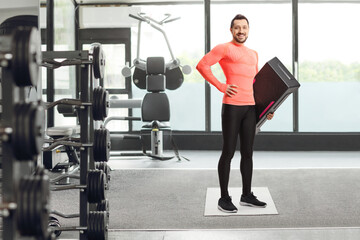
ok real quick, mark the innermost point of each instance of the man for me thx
(240, 65)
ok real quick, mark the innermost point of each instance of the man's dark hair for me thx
(238, 17)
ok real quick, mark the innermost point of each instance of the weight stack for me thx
(273, 84)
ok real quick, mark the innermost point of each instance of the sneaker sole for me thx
(251, 205)
(226, 211)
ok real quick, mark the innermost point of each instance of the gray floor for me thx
(262, 160)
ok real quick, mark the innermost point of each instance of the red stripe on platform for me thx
(266, 109)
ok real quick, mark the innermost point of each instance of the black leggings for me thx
(237, 121)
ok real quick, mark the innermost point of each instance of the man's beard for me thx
(238, 40)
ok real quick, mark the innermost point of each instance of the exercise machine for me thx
(155, 76)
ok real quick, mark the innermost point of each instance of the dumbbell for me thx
(32, 206)
(97, 226)
(101, 145)
(104, 206)
(100, 105)
(95, 187)
(106, 169)
(21, 52)
(98, 60)
(26, 135)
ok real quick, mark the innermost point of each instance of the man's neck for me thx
(237, 43)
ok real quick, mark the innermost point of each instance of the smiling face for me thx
(240, 31)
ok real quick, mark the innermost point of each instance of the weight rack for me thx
(20, 57)
(90, 69)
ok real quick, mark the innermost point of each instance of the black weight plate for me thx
(174, 78)
(42, 203)
(16, 136)
(99, 191)
(105, 104)
(37, 122)
(27, 56)
(23, 137)
(20, 142)
(35, 56)
(103, 206)
(100, 103)
(102, 145)
(103, 225)
(22, 202)
(95, 106)
(98, 61)
(91, 228)
(102, 185)
(37, 206)
(94, 101)
(108, 145)
(28, 208)
(106, 169)
(102, 63)
(18, 52)
(26, 123)
(98, 148)
(10, 24)
(23, 149)
(20, 217)
(97, 188)
(139, 78)
(96, 145)
(91, 186)
(97, 226)
(32, 210)
(27, 214)
(23, 78)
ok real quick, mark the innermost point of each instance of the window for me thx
(329, 67)
(186, 38)
(64, 40)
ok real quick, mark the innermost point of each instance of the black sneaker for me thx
(226, 205)
(251, 200)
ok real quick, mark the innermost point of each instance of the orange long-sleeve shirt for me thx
(239, 64)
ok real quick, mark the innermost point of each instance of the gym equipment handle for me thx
(60, 214)
(138, 18)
